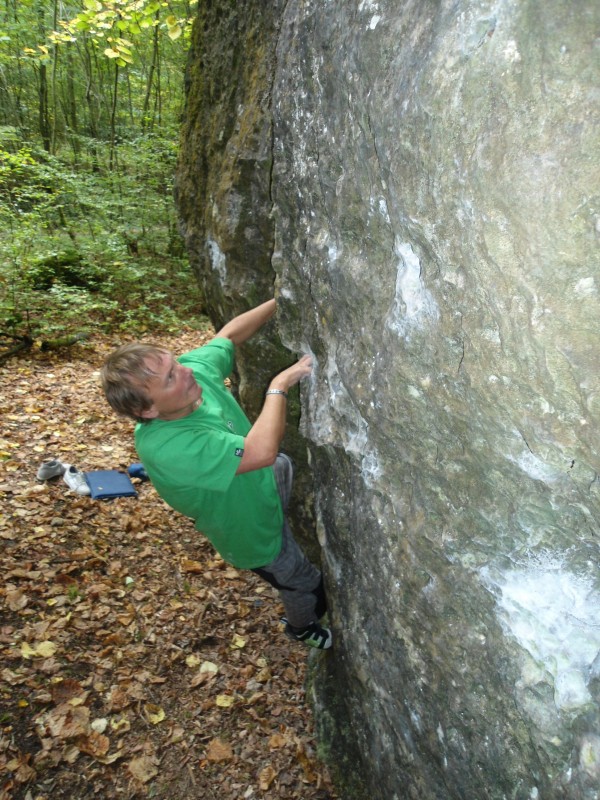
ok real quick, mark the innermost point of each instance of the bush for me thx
(88, 244)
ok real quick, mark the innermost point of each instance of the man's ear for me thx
(149, 413)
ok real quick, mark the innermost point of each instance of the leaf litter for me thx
(134, 662)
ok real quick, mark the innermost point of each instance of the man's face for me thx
(173, 389)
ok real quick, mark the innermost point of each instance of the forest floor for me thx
(134, 662)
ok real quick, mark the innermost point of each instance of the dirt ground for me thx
(134, 662)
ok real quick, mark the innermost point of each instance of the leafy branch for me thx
(119, 23)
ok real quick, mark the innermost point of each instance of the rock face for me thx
(433, 191)
(223, 193)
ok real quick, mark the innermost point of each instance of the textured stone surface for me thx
(223, 193)
(436, 217)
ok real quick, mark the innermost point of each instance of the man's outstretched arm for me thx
(245, 325)
(261, 445)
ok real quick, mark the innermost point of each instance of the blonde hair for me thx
(124, 378)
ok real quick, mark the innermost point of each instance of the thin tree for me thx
(113, 120)
(54, 76)
(43, 111)
(153, 66)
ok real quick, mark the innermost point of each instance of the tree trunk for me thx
(153, 65)
(43, 112)
(113, 118)
(52, 121)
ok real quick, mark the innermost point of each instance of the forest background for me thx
(133, 661)
(91, 98)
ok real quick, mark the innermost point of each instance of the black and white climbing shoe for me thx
(314, 635)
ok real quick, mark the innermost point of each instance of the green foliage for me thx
(90, 99)
(73, 593)
(116, 23)
(84, 248)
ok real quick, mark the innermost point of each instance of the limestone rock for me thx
(223, 193)
(440, 204)
(434, 222)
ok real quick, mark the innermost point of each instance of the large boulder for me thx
(223, 194)
(434, 182)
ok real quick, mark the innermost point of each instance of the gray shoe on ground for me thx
(52, 468)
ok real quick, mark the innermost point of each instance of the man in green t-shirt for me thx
(209, 463)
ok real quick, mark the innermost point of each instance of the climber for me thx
(209, 463)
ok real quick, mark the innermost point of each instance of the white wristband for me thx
(277, 391)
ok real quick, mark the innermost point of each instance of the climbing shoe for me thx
(314, 635)
(52, 468)
(137, 471)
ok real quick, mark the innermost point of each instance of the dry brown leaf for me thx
(187, 565)
(23, 770)
(199, 679)
(118, 699)
(278, 740)
(266, 778)
(177, 735)
(264, 675)
(111, 758)
(219, 751)
(65, 690)
(143, 768)
(95, 744)
(65, 722)
(16, 599)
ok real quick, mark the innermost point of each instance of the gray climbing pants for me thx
(299, 583)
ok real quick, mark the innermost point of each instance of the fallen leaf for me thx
(95, 744)
(177, 735)
(264, 675)
(24, 772)
(45, 649)
(16, 599)
(225, 700)
(118, 699)
(277, 741)
(65, 690)
(143, 768)
(42, 650)
(266, 778)
(187, 565)
(27, 650)
(121, 725)
(154, 714)
(111, 758)
(65, 722)
(218, 751)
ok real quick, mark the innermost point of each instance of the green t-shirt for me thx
(192, 464)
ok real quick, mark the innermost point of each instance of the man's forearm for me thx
(245, 325)
(261, 445)
(262, 441)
